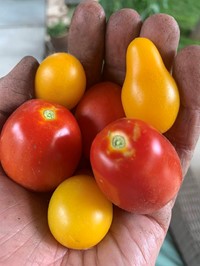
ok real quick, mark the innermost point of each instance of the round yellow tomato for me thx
(61, 79)
(79, 215)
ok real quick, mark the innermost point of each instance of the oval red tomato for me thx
(40, 145)
(135, 166)
(99, 106)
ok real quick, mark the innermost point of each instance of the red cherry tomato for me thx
(135, 166)
(40, 145)
(100, 105)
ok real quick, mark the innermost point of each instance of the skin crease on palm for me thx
(133, 239)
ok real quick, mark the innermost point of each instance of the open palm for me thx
(133, 239)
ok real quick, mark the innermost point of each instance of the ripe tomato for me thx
(79, 215)
(100, 105)
(40, 145)
(61, 79)
(149, 91)
(135, 166)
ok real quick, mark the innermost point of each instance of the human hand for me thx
(133, 239)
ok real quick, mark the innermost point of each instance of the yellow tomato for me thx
(79, 215)
(149, 91)
(61, 79)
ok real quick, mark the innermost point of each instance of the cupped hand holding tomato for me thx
(133, 239)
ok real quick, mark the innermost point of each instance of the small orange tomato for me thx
(61, 79)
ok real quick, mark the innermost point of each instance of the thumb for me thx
(17, 86)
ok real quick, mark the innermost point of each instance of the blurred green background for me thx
(186, 13)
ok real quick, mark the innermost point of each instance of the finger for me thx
(123, 26)
(186, 129)
(164, 32)
(17, 86)
(86, 38)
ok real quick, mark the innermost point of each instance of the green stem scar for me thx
(49, 114)
(118, 142)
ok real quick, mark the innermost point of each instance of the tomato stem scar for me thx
(49, 114)
(118, 142)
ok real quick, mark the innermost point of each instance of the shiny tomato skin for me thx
(100, 105)
(79, 214)
(40, 145)
(149, 91)
(60, 78)
(135, 166)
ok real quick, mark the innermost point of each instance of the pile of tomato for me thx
(92, 148)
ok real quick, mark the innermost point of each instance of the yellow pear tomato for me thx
(149, 91)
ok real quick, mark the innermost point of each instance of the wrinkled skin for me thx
(133, 239)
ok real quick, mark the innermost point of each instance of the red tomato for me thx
(100, 105)
(40, 145)
(135, 166)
